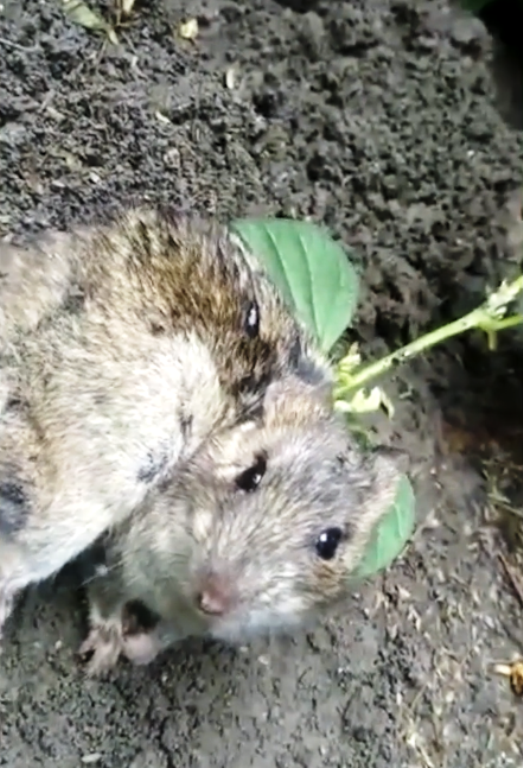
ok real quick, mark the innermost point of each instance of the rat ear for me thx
(293, 401)
(312, 368)
(227, 453)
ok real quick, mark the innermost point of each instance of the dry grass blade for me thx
(80, 13)
(514, 672)
(511, 575)
(230, 78)
(127, 7)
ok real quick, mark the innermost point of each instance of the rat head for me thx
(279, 516)
(185, 274)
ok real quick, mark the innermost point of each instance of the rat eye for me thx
(251, 320)
(250, 479)
(327, 543)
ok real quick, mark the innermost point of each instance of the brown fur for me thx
(124, 350)
(34, 279)
(199, 529)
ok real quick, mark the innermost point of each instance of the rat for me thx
(259, 531)
(35, 276)
(146, 334)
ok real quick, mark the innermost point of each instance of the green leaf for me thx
(80, 13)
(391, 533)
(312, 271)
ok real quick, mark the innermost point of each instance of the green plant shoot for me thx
(489, 318)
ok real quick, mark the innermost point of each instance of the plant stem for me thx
(478, 318)
(501, 325)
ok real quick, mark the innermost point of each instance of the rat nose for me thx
(215, 596)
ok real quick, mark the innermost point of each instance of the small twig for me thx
(516, 586)
(17, 47)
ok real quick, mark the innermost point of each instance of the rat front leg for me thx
(119, 626)
(105, 642)
(142, 641)
(121, 622)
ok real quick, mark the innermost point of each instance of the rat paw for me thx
(104, 645)
(141, 648)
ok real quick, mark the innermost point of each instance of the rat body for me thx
(145, 335)
(260, 530)
(35, 278)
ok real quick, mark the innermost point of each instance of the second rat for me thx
(261, 529)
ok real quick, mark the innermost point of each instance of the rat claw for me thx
(105, 643)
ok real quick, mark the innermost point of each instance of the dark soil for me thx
(384, 120)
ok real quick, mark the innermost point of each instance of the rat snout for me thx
(216, 594)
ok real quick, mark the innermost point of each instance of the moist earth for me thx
(390, 123)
